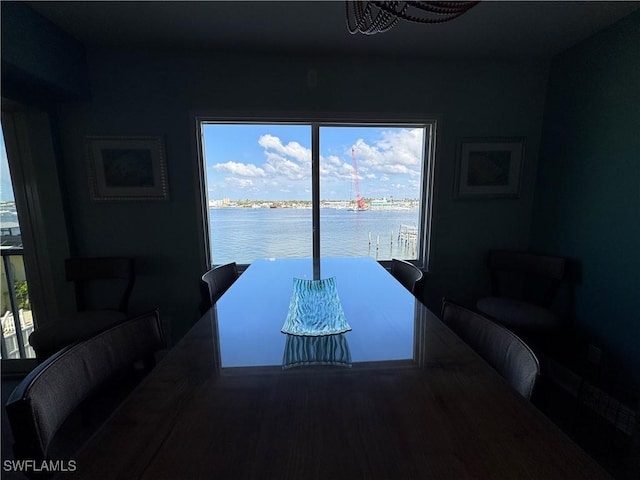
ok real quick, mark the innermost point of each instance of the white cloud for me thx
(332, 160)
(399, 151)
(390, 168)
(279, 165)
(291, 149)
(243, 169)
(239, 182)
(332, 169)
(406, 145)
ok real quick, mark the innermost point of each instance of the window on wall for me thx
(16, 315)
(372, 179)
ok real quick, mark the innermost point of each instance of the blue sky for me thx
(6, 190)
(273, 162)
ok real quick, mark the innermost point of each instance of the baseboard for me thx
(623, 417)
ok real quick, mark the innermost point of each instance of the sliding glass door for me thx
(371, 179)
(370, 185)
(258, 191)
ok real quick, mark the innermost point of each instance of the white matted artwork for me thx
(489, 167)
(127, 168)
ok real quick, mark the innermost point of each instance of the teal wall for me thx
(157, 92)
(587, 199)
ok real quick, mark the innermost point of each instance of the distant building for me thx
(225, 202)
(381, 204)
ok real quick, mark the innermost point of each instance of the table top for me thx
(416, 402)
(250, 315)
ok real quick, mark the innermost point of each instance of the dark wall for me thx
(40, 62)
(159, 92)
(587, 201)
(156, 93)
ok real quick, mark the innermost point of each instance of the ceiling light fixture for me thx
(373, 16)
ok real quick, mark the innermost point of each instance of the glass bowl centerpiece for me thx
(315, 309)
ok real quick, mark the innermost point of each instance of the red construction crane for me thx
(359, 200)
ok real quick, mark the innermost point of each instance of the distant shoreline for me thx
(370, 204)
(325, 207)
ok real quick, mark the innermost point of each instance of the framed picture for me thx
(489, 167)
(127, 168)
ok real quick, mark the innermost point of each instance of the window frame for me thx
(32, 161)
(316, 121)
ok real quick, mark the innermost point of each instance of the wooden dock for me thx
(408, 236)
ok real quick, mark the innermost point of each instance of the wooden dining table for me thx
(399, 396)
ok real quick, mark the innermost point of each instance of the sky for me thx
(6, 189)
(273, 162)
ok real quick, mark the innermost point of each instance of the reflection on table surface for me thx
(302, 351)
(250, 315)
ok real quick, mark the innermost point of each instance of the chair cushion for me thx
(519, 315)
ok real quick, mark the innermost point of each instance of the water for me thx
(244, 234)
(9, 226)
(8, 216)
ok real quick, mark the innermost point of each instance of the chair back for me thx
(406, 273)
(51, 392)
(526, 276)
(85, 272)
(501, 348)
(218, 280)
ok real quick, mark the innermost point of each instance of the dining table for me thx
(397, 395)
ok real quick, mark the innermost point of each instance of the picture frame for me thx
(489, 168)
(127, 168)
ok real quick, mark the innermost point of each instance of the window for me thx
(16, 316)
(373, 188)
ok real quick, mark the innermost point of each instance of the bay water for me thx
(242, 235)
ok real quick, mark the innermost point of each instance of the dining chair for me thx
(523, 287)
(59, 386)
(406, 273)
(500, 347)
(93, 274)
(103, 287)
(218, 280)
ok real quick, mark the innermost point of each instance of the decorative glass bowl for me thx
(315, 309)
